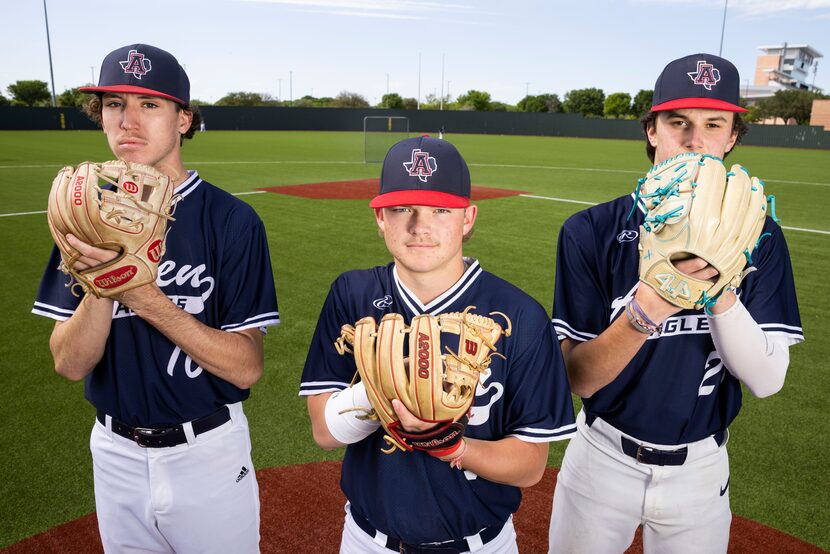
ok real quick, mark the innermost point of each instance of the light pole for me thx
(527, 89)
(279, 90)
(419, 80)
(92, 75)
(49, 48)
(441, 103)
(387, 83)
(723, 26)
(290, 88)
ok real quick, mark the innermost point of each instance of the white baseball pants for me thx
(199, 497)
(602, 495)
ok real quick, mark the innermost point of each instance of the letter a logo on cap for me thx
(422, 165)
(136, 64)
(705, 75)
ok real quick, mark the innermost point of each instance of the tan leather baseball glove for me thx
(128, 217)
(437, 387)
(696, 208)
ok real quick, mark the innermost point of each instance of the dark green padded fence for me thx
(420, 121)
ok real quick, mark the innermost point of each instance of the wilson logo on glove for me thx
(155, 251)
(130, 187)
(116, 277)
(470, 347)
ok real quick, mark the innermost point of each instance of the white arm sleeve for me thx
(757, 360)
(345, 415)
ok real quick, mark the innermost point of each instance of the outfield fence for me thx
(420, 121)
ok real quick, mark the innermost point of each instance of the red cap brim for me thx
(132, 89)
(704, 103)
(419, 198)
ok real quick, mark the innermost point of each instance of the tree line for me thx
(589, 102)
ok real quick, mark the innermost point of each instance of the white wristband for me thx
(345, 415)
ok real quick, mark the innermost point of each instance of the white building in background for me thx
(781, 67)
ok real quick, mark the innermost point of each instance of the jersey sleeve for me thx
(54, 299)
(247, 297)
(769, 292)
(578, 298)
(537, 392)
(325, 370)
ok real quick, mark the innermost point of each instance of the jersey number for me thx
(188, 364)
(714, 365)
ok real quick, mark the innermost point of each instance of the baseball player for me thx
(658, 398)
(412, 501)
(168, 364)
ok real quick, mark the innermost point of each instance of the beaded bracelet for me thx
(632, 319)
(645, 326)
(636, 306)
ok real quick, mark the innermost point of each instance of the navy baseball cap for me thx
(698, 81)
(423, 171)
(143, 69)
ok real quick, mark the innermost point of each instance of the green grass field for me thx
(779, 448)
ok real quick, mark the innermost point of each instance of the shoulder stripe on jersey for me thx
(539, 431)
(261, 320)
(529, 434)
(261, 325)
(781, 327)
(189, 185)
(451, 295)
(53, 312)
(318, 387)
(794, 335)
(54, 308)
(50, 315)
(563, 329)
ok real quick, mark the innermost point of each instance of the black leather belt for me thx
(656, 457)
(163, 437)
(455, 547)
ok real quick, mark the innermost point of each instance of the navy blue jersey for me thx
(676, 389)
(412, 495)
(216, 268)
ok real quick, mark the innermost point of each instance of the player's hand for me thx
(700, 269)
(90, 255)
(697, 268)
(409, 422)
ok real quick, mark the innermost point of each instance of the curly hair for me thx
(739, 127)
(93, 108)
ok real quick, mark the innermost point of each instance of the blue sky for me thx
(326, 46)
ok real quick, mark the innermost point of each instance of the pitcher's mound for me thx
(302, 511)
(366, 189)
